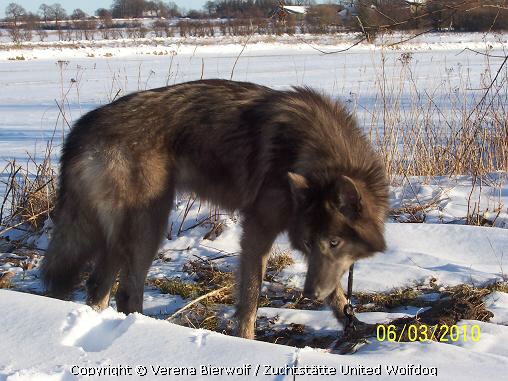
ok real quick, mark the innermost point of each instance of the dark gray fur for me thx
(290, 161)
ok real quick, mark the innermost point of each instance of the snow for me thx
(42, 338)
(497, 303)
(451, 197)
(416, 253)
(67, 338)
(299, 9)
(90, 74)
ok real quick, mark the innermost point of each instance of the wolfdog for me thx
(289, 161)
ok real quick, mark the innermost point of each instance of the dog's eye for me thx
(336, 242)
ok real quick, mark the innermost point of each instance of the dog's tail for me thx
(72, 247)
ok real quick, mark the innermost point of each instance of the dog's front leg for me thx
(337, 301)
(256, 244)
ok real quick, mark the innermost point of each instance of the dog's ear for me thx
(350, 199)
(297, 182)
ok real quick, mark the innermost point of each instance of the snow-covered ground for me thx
(437, 78)
(42, 338)
(45, 339)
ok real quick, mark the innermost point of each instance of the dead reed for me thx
(417, 136)
(29, 195)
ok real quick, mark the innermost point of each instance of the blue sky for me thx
(88, 6)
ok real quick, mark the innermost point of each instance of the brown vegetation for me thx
(238, 18)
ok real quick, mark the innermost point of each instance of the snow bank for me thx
(47, 339)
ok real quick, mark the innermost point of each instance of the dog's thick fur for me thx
(290, 161)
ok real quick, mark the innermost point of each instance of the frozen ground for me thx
(65, 338)
(41, 338)
(438, 72)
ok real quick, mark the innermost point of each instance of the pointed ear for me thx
(350, 199)
(297, 182)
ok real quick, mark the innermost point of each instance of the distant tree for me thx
(322, 18)
(210, 7)
(127, 8)
(32, 18)
(153, 6)
(193, 14)
(32, 23)
(89, 28)
(103, 13)
(161, 9)
(57, 12)
(173, 10)
(105, 16)
(15, 12)
(243, 8)
(41, 33)
(78, 14)
(44, 10)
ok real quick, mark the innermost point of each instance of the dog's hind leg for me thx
(256, 244)
(101, 280)
(140, 240)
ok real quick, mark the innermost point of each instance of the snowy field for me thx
(52, 86)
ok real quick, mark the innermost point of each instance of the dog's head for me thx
(334, 223)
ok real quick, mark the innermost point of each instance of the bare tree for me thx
(210, 7)
(89, 29)
(103, 13)
(128, 8)
(44, 10)
(78, 14)
(15, 12)
(32, 23)
(173, 10)
(57, 12)
(41, 33)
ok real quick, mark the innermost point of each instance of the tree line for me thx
(241, 17)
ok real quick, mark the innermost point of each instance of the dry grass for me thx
(498, 286)
(470, 137)
(462, 302)
(211, 289)
(30, 192)
(417, 138)
(211, 278)
(279, 260)
(17, 58)
(207, 278)
(384, 301)
(23, 258)
(5, 279)
(294, 335)
(414, 211)
(176, 286)
(457, 303)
